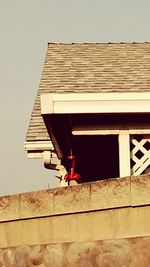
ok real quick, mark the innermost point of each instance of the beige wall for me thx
(110, 209)
(132, 252)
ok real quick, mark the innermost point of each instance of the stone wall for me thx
(133, 252)
(77, 224)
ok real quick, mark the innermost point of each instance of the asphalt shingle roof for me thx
(90, 68)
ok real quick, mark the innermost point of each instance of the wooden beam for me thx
(109, 131)
(124, 154)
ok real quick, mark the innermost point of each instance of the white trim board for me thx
(77, 103)
(110, 131)
(38, 145)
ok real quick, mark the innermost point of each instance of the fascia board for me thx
(74, 103)
(38, 145)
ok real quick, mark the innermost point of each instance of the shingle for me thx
(79, 68)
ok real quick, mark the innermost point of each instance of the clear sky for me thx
(26, 26)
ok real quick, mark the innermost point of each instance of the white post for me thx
(124, 154)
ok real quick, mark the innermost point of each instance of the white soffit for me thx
(75, 103)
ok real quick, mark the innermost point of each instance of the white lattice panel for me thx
(140, 155)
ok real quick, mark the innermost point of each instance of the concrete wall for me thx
(87, 215)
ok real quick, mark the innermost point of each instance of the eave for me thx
(35, 148)
(56, 108)
(74, 103)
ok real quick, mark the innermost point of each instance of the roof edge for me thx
(96, 43)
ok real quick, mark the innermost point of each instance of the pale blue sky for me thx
(25, 29)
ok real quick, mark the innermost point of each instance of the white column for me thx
(124, 154)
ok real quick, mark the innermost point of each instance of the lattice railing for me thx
(140, 154)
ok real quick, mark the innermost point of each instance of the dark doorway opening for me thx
(97, 156)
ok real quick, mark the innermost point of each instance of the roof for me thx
(90, 68)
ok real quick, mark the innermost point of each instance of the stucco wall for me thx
(87, 215)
